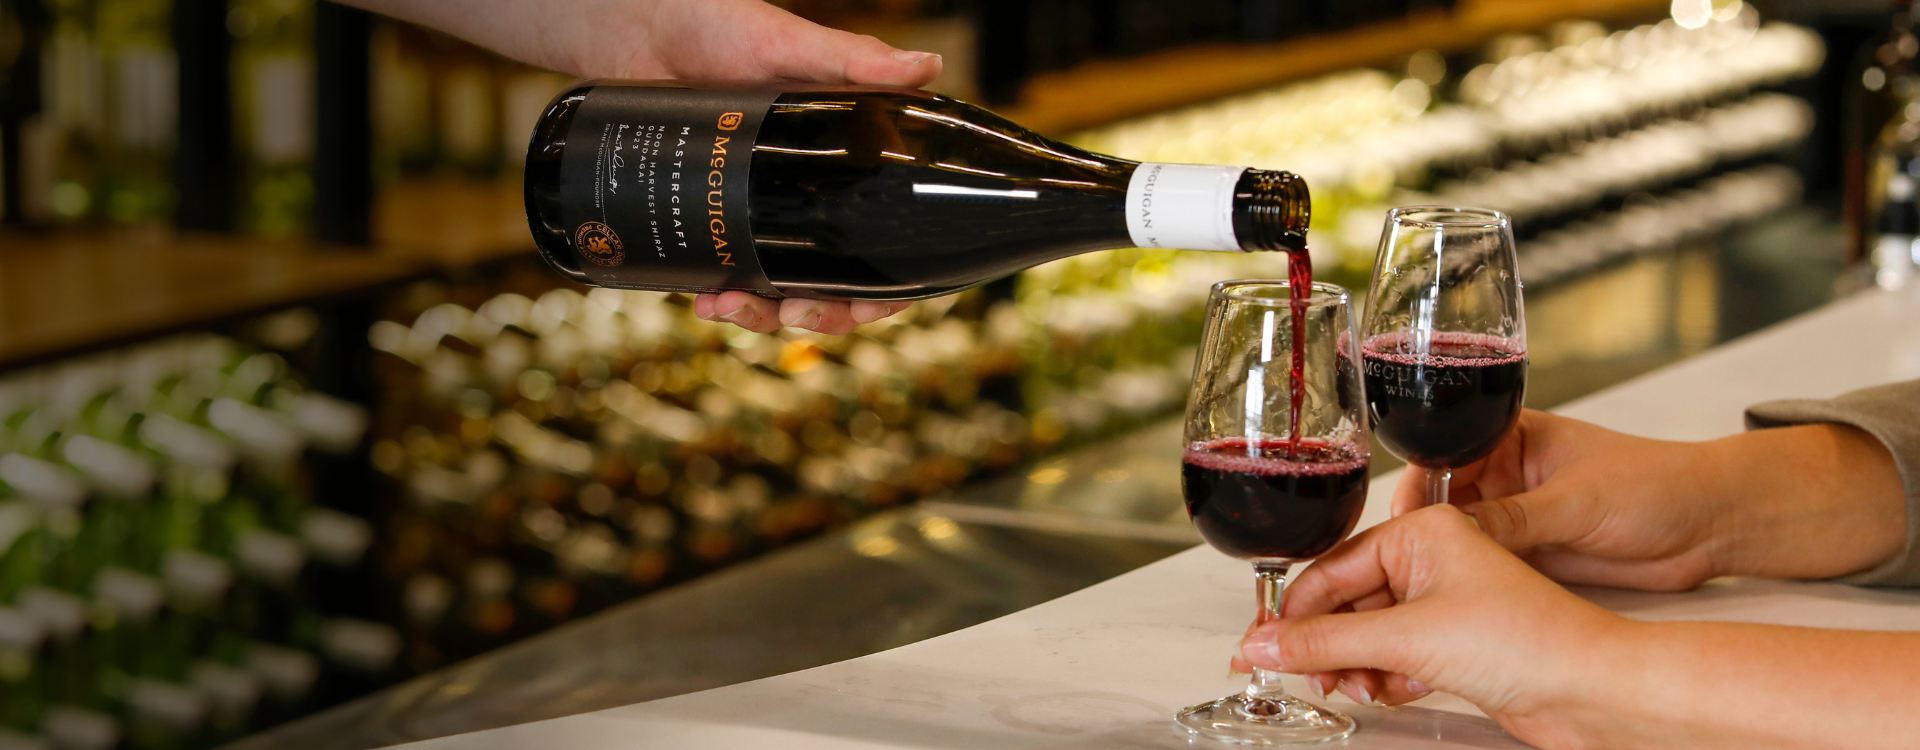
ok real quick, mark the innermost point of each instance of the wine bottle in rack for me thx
(854, 192)
(139, 78)
(274, 102)
(1879, 84)
(66, 152)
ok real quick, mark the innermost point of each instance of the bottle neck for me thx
(1205, 207)
(1271, 210)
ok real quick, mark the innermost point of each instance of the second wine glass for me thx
(1445, 348)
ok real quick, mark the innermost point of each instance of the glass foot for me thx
(1244, 720)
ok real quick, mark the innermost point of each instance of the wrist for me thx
(1726, 491)
(1811, 501)
(1623, 687)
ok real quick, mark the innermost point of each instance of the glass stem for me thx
(1437, 480)
(1270, 584)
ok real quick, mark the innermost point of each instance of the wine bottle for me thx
(139, 79)
(854, 192)
(1879, 84)
(274, 100)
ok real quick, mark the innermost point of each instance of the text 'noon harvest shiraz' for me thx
(854, 192)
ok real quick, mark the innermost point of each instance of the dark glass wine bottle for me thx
(1879, 85)
(854, 192)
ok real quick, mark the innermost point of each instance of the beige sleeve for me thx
(1891, 414)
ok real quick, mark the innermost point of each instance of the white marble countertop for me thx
(1107, 666)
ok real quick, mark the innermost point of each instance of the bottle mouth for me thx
(1271, 210)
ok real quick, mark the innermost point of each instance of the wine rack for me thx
(163, 569)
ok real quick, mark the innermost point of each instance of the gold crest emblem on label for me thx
(599, 244)
(730, 120)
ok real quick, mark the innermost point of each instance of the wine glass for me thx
(1261, 490)
(1445, 348)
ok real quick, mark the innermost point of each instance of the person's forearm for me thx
(1707, 686)
(1815, 501)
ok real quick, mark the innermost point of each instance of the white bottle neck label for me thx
(1182, 206)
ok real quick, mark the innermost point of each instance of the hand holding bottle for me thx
(719, 40)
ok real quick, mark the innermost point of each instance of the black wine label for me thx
(654, 185)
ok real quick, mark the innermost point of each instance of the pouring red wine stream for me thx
(1300, 288)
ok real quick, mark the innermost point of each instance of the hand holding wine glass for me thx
(1588, 505)
(1445, 346)
(1261, 489)
(1461, 615)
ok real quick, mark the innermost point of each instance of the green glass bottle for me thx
(274, 102)
(140, 101)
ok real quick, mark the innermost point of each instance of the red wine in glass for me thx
(1272, 499)
(1444, 348)
(1448, 407)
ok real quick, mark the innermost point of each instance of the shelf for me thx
(451, 223)
(72, 291)
(68, 293)
(1104, 91)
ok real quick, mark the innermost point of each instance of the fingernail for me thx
(1313, 684)
(810, 321)
(912, 58)
(1262, 650)
(865, 314)
(1357, 692)
(1419, 690)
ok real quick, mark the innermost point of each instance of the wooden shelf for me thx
(68, 293)
(71, 291)
(1104, 91)
(451, 223)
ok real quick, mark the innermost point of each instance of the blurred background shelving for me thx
(289, 414)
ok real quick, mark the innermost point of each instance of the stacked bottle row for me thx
(164, 577)
(99, 141)
(1651, 106)
(560, 454)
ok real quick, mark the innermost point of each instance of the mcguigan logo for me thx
(599, 244)
(730, 120)
(716, 198)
